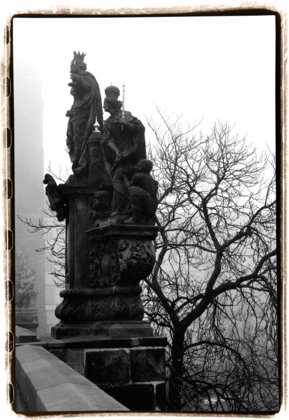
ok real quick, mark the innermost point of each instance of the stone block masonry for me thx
(131, 370)
(44, 383)
(133, 376)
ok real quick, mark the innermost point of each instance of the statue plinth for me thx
(78, 195)
(120, 256)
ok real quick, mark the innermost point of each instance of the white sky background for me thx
(234, 85)
(205, 68)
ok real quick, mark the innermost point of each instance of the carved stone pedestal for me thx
(102, 304)
(110, 304)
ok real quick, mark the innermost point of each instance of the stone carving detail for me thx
(143, 194)
(93, 305)
(85, 110)
(120, 262)
(109, 205)
(109, 269)
(136, 260)
(103, 264)
(56, 201)
(95, 256)
(72, 310)
(100, 205)
(123, 144)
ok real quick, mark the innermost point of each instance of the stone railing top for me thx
(48, 384)
(24, 336)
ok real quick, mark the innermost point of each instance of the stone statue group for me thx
(122, 143)
(109, 204)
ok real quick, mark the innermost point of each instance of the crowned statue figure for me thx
(123, 144)
(85, 111)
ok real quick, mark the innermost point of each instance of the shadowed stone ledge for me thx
(45, 383)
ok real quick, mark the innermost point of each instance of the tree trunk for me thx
(175, 382)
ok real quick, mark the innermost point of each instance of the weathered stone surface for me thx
(50, 385)
(123, 145)
(107, 362)
(104, 284)
(70, 356)
(105, 342)
(56, 201)
(161, 396)
(24, 335)
(101, 304)
(122, 261)
(107, 366)
(114, 230)
(19, 402)
(97, 174)
(88, 267)
(147, 364)
(112, 330)
(111, 201)
(69, 397)
(44, 375)
(78, 367)
(143, 195)
(83, 113)
(137, 397)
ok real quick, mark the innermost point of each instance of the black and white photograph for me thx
(147, 253)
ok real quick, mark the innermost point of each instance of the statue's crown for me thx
(78, 56)
(112, 92)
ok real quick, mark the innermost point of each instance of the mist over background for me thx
(204, 69)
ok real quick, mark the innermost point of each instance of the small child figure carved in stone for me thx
(143, 194)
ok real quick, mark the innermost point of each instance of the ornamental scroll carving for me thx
(120, 262)
(136, 259)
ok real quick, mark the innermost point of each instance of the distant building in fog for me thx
(28, 175)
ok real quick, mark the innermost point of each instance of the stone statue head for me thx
(111, 99)
(78, 64)
(144, 165)
(112, 103)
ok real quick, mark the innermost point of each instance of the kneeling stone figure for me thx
(143, 194)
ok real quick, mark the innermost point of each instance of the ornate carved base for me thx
(101, 304)
(120, 257)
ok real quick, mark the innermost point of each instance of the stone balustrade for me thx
(45, 383)
(22, 335)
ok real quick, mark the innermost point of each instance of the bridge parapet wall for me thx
(45, 383)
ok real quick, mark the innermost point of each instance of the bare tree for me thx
(213, 289)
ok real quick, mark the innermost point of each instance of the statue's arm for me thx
(81, 81)
(132, 126)
(84, 84)
(113, 147)
(136, 180)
